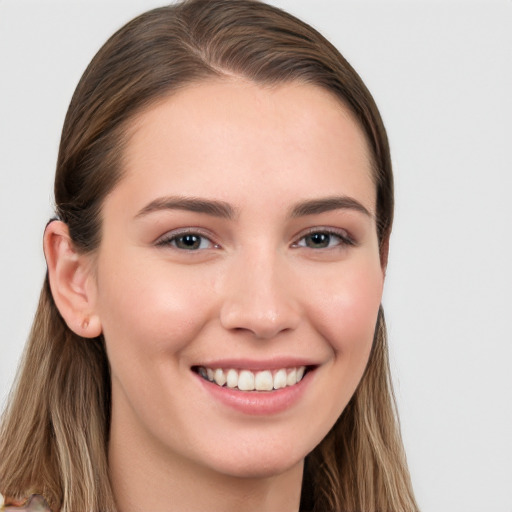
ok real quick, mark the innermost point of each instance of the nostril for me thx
(256, 305)
(259, 326)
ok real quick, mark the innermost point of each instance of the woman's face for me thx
(240, 245)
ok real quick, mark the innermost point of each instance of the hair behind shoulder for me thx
(54, 433)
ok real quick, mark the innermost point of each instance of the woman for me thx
(209, 335)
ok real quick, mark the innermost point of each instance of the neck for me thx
(150, 478)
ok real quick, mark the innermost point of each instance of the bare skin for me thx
(242, 236)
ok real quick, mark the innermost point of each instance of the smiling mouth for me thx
(247, 380)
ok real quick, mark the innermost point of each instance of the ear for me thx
(71, 281)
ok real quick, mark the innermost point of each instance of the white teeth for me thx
(232, 378)
(291, 378)
(246, 380)
(219, 377)
(280, 379)
(263, 381)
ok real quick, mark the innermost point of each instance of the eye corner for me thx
(322, 237)
(187, 240)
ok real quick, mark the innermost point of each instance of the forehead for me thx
(220, 137)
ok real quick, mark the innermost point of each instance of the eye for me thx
(324, 239)
(187, 241)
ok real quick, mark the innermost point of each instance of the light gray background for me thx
(441, 73)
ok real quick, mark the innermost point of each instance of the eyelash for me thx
(172, 239)
(343, 238)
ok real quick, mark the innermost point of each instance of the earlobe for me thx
(71, 281)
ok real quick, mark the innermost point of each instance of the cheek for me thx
(155, 309)
(346, 313)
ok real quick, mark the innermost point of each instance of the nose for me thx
(259, 297)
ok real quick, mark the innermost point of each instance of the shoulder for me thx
(34, 503)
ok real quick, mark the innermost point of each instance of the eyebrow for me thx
(192, 204)
(316, 206)
(226, 211)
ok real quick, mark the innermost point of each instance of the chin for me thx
(260, 471)
(258, 463)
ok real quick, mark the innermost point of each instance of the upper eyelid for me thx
(175, 233)
(342, 233)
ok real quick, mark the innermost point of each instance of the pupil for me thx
(189, 241)
(319, 240)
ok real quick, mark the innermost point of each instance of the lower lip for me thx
(258, 402)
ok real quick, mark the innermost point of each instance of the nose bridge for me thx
(259, 294)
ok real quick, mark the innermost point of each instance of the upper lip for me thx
(255, 365)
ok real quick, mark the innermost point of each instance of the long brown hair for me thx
(54, 433)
